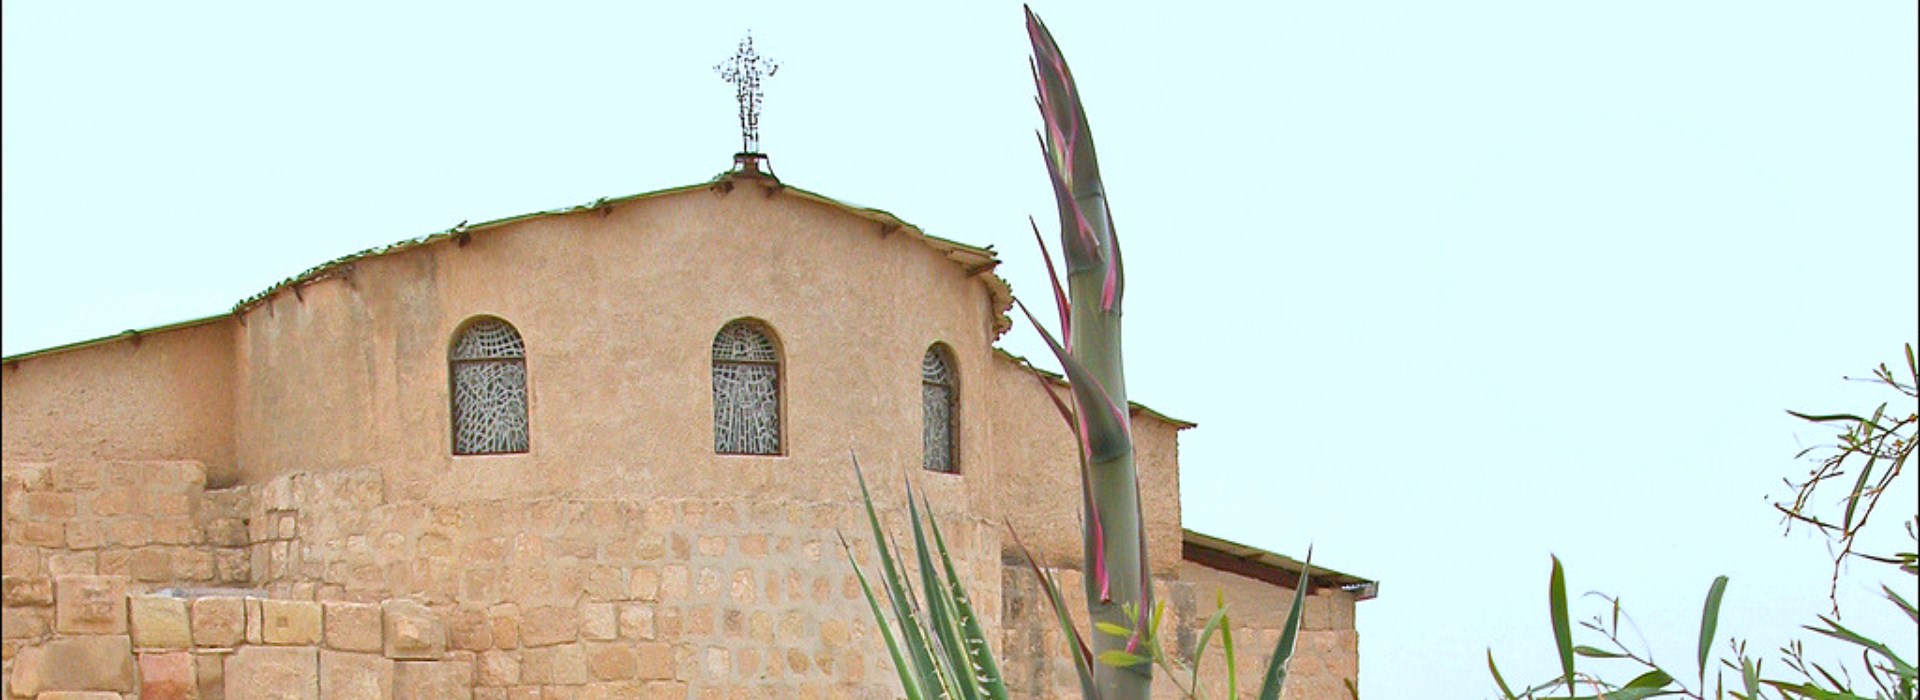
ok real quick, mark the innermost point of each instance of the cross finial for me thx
(744, 71)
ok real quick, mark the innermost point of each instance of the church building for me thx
(596, 452)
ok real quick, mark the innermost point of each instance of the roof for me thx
(1058, 380)
(1253, 562)
(974, 260)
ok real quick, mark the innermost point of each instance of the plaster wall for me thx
(168, 396)
(618, 309)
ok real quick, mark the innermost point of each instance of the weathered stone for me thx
(92, 662)
(168, 676)
(23, 623)
(290, 622)
(348, 676)
(432, 680)
(612, 662)
(27, 589)
(29, 672)
(219, 622)
(90, 604)
(78, 695)
(469, 629)
(656, 661)
(159, 622)
(353, 626)
(412, 631)
(547, 626)
(273, 673)
(598, 622)
(497, 668)
(211, 667)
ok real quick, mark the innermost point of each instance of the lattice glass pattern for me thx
(489, 374)
(746, 391)
(489, 339)
(936, 403)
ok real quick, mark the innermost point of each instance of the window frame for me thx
(453, 385)
(778, 365)
(945, 355)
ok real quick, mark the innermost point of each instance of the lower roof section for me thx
(1260, 564)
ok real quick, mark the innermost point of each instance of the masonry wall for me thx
(1037, 661)
(564, 597)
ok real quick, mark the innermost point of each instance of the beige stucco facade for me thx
(303, 447)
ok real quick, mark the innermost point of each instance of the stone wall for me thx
(1037, 664)
(543, 598)
(132, 578)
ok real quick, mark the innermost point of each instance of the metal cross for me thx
(744, 71)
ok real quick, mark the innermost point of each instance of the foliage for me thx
(940, 650)
(1879, 446)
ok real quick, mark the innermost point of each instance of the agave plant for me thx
(940, 650)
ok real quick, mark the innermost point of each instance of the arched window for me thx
(939, 419)
(746, 390)
(488, 370)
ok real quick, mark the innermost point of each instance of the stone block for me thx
(273, 673)
(290, 622)
(469, 629)
(78, 695)
(211, 669)
(26, 590)
(412, 631)
(548, 626)
(93, 662)
(497, 668)
(90, 604)
(353, 626)
(159, 622)
(656, 661)
(349, 676)
(168, 676)
(28, 677)
(598, 622)
(218, 622)
(432, 680)
(612, 662)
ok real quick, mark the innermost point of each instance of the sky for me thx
(1450, 288)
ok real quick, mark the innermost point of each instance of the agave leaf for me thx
(1116, 657)
(897, 594)
(1276, 678)
(951, 654)
(1059, 294)
(914, 686)
(992, 685)
(1226, 645)
(1103, 423)
(1905, 606)
(1593, 653)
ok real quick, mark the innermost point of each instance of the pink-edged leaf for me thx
(1081, 248)
(1106, 425)
(1110, 288)
(1059, 293)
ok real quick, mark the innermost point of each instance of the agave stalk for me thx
(1116, 574)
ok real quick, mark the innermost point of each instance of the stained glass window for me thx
(488, 368)
(746, 391)
(939, 418)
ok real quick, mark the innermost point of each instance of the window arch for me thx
(746, 390)
(940, 417)
(487, 368)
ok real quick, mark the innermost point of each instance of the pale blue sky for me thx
(1448, 286)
